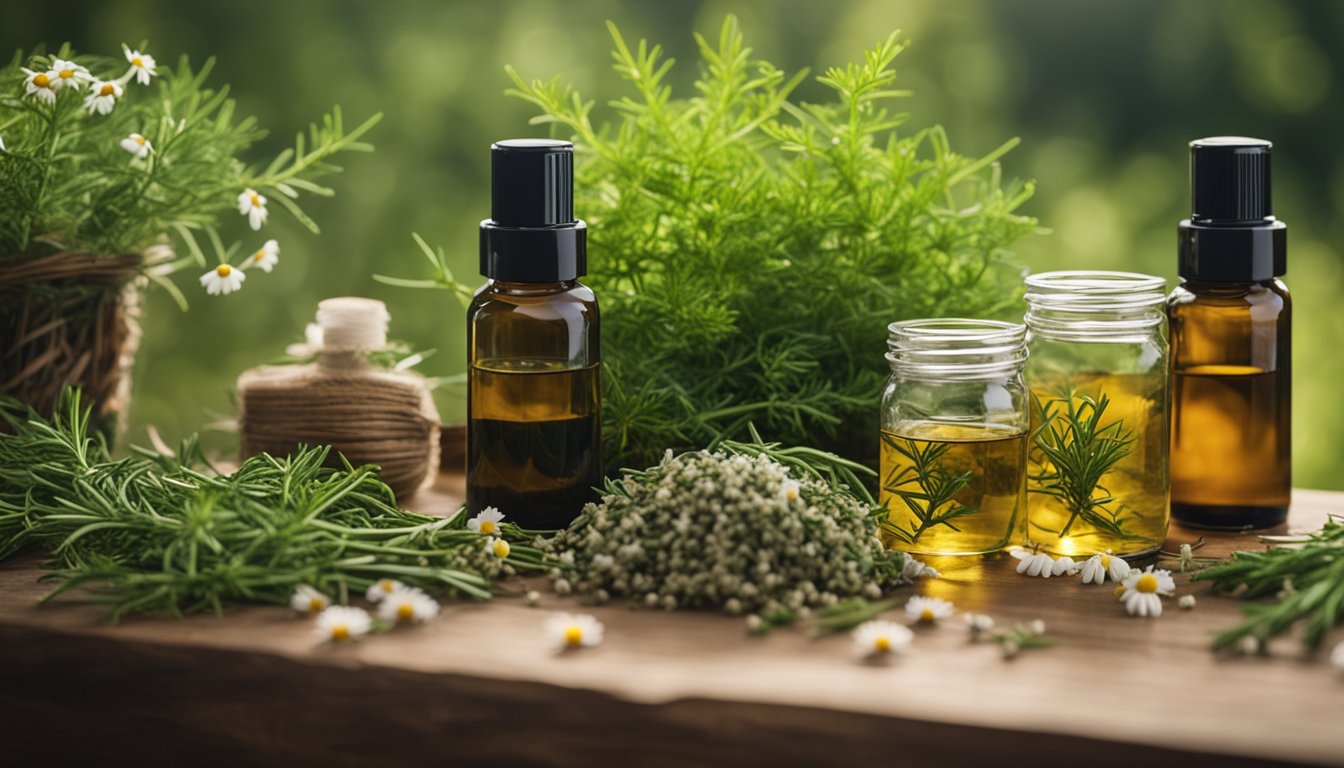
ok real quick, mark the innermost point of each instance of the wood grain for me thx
(476, 686)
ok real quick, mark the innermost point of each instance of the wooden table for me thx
(476, 686)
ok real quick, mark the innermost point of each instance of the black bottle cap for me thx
(532, 235)
(1231, 235)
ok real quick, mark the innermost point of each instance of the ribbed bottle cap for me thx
(350, 324)
(1230, 180)
(531, 182)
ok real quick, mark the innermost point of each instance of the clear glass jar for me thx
(954, 435)
(1098, 478)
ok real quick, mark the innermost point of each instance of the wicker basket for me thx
(70, 318)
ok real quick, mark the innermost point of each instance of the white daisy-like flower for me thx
(1144, 590)
(137, 145)
(382, 588)
(103, 95)
(879, 638)
(913, 569)
(408, 604)
(143, 65)
(1034, 563)
(978, 624)
(43, 85)
(223, 279)
(1337, 657)
(572, 630)
(252, 204)
(486, 521)
(265, 258)
(308, 600)
(69, 74)
(788, 490)
(1098, 567)
(927, 610)
(1065, 565)
(497, 547)
(341, 622)
(1186, 602)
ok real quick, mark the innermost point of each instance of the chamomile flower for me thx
(252, 204)
(1034, 563)
(572, 630)
(1186, 602)
(1144, 590)
(43, 85)
(143, 65)
(880, 638)
(69, 74)
(103, 95)
(497, 547)
(137, 145)
(978, 624)
(340, 622)
(264, 258)
(1065, 565)
(486, 521)
(222, 280)
(308, 600)
(408, 604)
(1099, 567)
(788, 490)
(927, 610)
(382, 588)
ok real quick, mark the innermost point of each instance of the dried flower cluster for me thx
(731, 531)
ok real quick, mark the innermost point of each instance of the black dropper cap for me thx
(1231, 235)
(532, 235)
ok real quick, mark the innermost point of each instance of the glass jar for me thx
(954, 434)
(1098, 478)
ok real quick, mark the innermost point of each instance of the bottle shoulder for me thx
(1263, 297)
(543, 302)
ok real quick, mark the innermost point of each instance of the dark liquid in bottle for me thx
(535, 440)
(1230, 459)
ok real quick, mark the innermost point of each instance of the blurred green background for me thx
(1104, 95)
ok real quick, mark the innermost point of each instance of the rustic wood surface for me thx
(477, 686)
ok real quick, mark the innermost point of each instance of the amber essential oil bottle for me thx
(534, 395)
(1230, 345)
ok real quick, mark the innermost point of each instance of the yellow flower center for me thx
(316, 604)
(107, 90)
(573, 635)
(926, 615)
(385, 584)
(41, 80)
(137, 62)
(1146, 583)
(138, 139)
(66, 74)
(256, 200)
(501, 549)
(1120, 590)
(340, 632)
(223, 270)
(1105, 561)
(791, 494)
(487, 526)
(882, 643)
(405, 612)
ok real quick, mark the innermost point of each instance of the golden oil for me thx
(1107, 489)
(952, 489)
(536, 427)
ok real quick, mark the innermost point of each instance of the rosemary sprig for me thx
(937, 488)
(848, 614)
(1080, 451)
(155, 533)
(1308, 576)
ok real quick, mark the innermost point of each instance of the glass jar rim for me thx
(1086, 290)
(956, 347)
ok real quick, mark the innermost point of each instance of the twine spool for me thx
(369, 416)
(72, 319)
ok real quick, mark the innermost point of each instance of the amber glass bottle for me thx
(533, 397)
(1230, 345)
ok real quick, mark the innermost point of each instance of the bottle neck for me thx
(516, 288)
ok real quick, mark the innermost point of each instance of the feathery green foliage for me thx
(749, 250)
(155, 533)
(1306, 572)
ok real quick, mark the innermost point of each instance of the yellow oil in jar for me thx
(1097, 477)
(952, 489)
